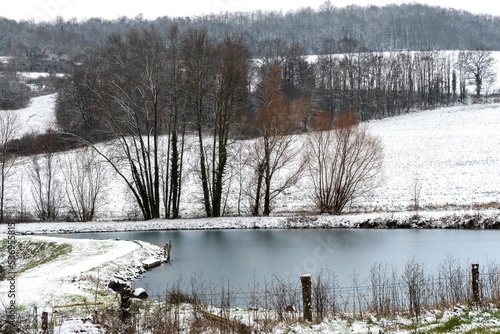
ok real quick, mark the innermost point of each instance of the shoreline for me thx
(472, 219)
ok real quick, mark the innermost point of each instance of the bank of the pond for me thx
(78, 274)
(466, 219)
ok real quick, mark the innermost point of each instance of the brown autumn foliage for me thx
(277, 122)
(275, 115)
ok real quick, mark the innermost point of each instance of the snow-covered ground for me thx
(38, 117)
(74, 275)
(426, 219)
(454, 152)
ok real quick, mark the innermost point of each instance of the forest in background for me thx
(394, 27)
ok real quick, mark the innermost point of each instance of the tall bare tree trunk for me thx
(9, 126)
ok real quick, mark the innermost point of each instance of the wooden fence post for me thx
(166, 250)
(35, 317)
(476, 297)
(307, 296)
(45, 322)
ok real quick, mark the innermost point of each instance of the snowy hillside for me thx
(38, 117)
(453, 152)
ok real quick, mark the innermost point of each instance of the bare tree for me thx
(217, 94)
(345, 162)
(9, 126)
(413, 279)
(415, 189)
(198, 54)
(230, 99)
(478, 66)
(84, 177)
(173, 164)
(45, 187)
(132, 105)
(274, 152)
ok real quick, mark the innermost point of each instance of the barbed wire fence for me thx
(386, 292)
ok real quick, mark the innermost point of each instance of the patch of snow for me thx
(72, 326)
(36, 75)
(38, 117)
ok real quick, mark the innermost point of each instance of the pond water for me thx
(240, 258)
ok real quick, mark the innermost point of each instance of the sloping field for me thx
(454, 153)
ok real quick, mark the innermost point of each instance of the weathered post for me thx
(35, 317)
(125, 302)
(166, 250)
(306, 281)
(45, 322)
(125, 312)
(476, 298)
(126, 294)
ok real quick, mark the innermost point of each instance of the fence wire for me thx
(385, 292)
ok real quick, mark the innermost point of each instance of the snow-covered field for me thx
(38, 117)
(454, 152)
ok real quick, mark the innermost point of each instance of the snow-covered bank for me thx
(76, 275)
(480, 219)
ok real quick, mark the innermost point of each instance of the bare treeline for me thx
(377, 85)
(142, 91)
(189, 66)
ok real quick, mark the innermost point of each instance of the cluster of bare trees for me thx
(380, 85)
(147, 90)
(146, 93)
(65, 187)
(73, 185)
